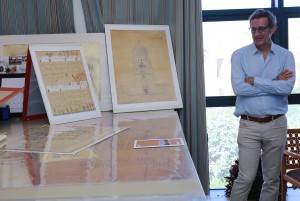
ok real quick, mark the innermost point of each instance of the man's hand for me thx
(285, 75)
(249, 80)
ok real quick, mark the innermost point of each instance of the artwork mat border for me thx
(71, 116)
(135, 107)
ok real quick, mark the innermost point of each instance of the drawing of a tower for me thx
(142, 66)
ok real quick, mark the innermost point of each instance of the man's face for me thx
(261, 31)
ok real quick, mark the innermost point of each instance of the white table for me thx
(109, 170)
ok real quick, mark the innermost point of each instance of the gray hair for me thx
(260, 13)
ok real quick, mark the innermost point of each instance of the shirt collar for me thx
(254, 50)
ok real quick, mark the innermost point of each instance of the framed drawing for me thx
(65, 82)
(142, 68)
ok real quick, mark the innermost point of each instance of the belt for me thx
(261, 120)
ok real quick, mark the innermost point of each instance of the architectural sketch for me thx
(92, 52)
(142, 68)
(65, 83)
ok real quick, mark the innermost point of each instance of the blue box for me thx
(4, 113)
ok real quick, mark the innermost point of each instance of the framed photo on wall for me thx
(64, 82)
(141, 68)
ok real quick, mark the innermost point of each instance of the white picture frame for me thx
(65, 82)
(141, 68)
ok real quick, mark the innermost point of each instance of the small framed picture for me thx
(156, 143)
(12, 64)
(141, 68)
(64, 82)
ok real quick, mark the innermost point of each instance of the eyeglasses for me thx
(259, 29)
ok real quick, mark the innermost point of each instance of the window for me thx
(294, 41)
(225, 29)
(234, 4)
(291, 3)
(217, 53)
(222, 129)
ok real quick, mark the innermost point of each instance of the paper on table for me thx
(2, 137)
(2, 140)
(158, 143)
(59, 139)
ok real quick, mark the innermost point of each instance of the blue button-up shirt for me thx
(267, 96)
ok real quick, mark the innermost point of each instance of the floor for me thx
(218, 195)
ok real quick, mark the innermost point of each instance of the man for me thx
(262, 77)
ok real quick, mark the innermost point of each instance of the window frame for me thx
(280, 38)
